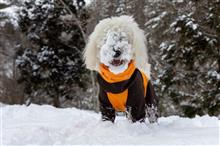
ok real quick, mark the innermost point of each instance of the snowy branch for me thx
(74, 18)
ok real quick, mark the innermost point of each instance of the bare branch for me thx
(6, 34)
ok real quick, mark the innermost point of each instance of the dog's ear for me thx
(90, 53)
(140, 50)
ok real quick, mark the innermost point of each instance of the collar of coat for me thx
(110, 77)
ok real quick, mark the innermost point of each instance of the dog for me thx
(116, 50)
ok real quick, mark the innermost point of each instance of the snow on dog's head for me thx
(116, 52)
(114, 42)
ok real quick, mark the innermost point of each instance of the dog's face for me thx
(116, 51)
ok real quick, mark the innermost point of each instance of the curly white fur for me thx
(136, 39)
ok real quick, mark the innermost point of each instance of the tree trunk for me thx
(56, 101)
(95, 91)
(219, 65)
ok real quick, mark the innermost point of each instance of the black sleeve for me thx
(151, 104)
(151, 98)
(107, 111)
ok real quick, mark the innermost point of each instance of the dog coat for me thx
(125, 90)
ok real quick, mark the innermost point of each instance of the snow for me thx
(214, 74)
(4, 2)
(178, 1)
(156, 19)
(178, 29)
(192, 25)
(173, 24)
(11, 13)
(163, 46)
(66, 37)
(46, 125)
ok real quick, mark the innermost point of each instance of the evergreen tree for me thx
(159, 15)
(50, 60)
(121, 8)
(3, 16)
(191, 73)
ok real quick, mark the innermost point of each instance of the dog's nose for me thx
(117, 53)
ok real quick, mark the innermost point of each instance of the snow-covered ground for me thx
(46, 125)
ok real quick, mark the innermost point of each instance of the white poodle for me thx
(116, 50)
(107, 33)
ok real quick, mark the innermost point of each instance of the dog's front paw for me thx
(106, 118)
(108, 113)
(152, 114)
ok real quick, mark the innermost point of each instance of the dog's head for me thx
(115, 42)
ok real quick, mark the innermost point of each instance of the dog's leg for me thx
(151, 104)
(135, 114)
(108, 113)
(152, 114)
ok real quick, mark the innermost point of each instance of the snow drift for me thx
(46, 125)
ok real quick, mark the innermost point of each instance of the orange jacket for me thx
(118, 100)
(130, 92)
